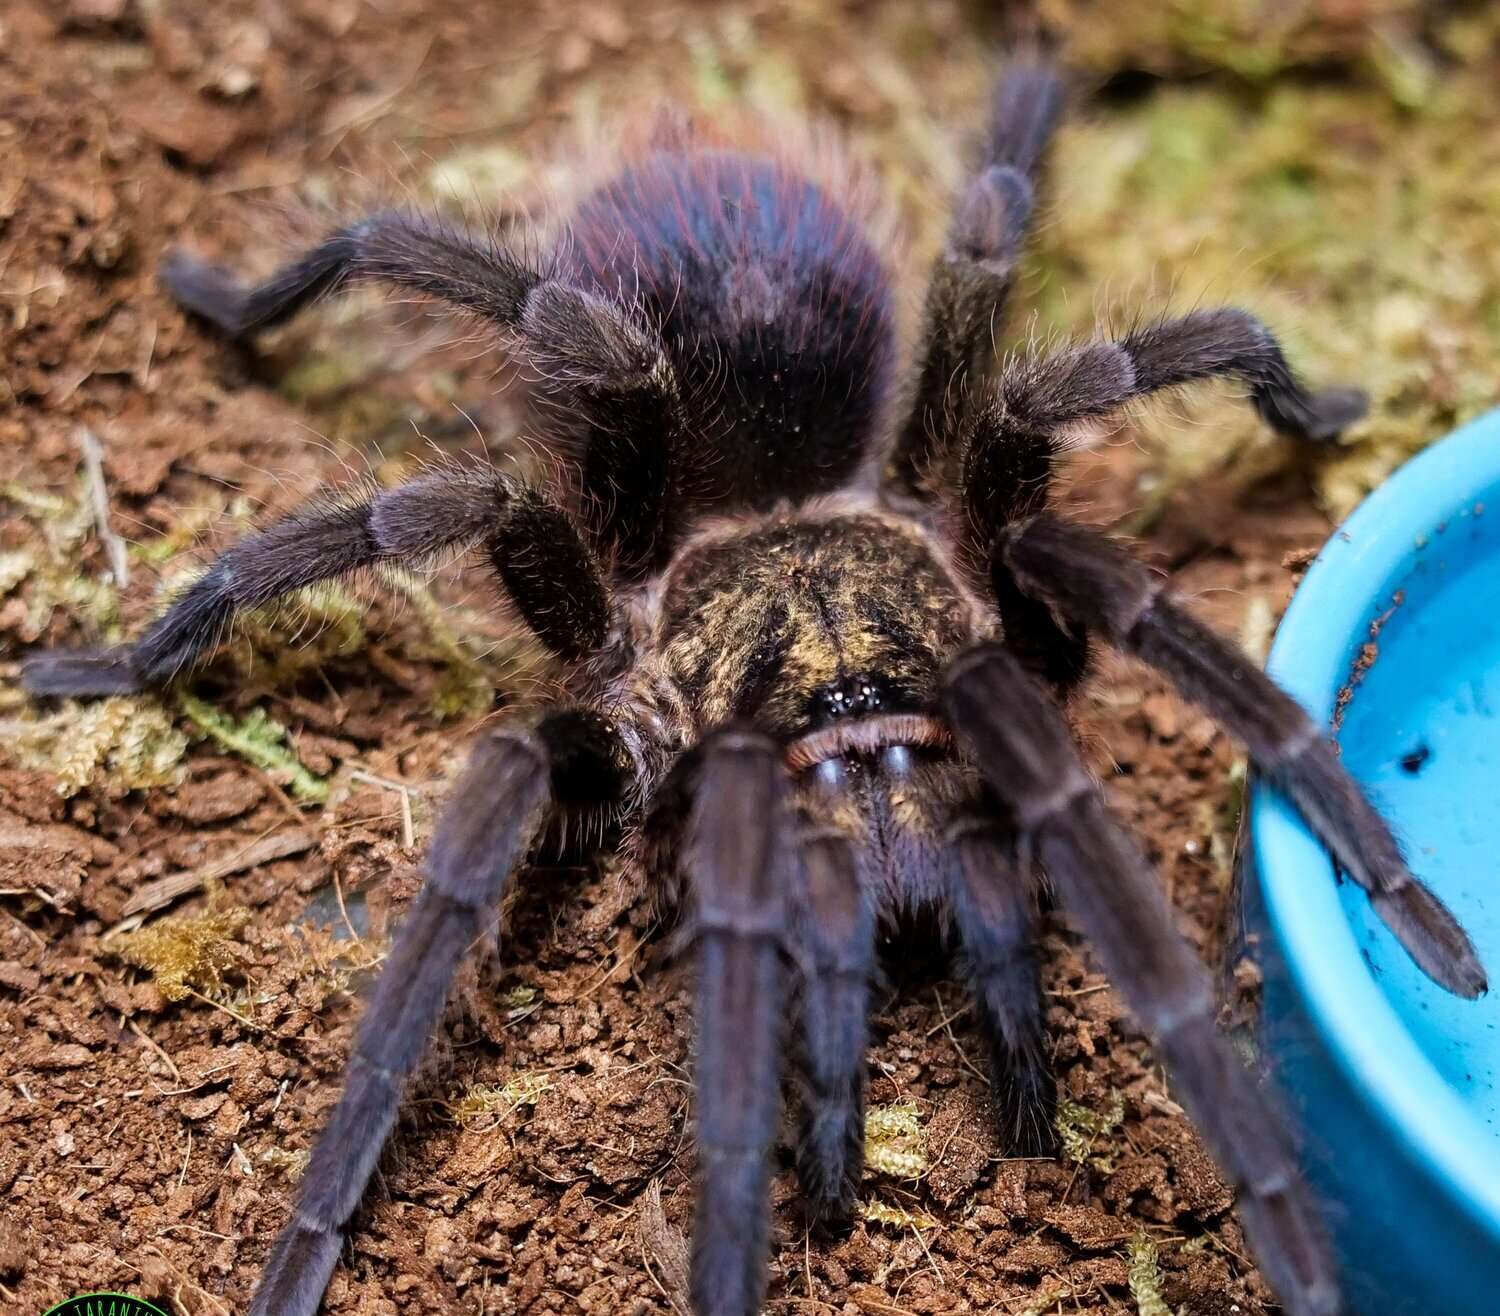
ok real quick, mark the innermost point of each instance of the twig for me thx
(226, 1009)
(931, 1260)
(93, 468)
(408, 830)
(155, 895)
(288, 805)
(186, 1157)
(155, 1046)
(338, 890)
(962, 1054)
(661, 1242)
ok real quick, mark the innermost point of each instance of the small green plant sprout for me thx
(259, 739)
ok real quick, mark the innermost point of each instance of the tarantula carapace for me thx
(816, 629)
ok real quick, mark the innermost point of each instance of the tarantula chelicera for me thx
(816, 631)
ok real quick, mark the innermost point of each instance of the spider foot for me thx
(297, 1272)
(1025, 1110)
(830, 1158)
(1433, 938)
(82, 672)
(211, 291)
(1327, 414)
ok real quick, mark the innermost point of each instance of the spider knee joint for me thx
(1293, 746)
(1036, 810)
(577, 340)
(990, 217)
(1127, 620)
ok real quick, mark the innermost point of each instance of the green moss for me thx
(1050, 1296)
(1145, 1277)
(468, 682)
(123, 743)
(485, 1106)
(1085, 1134)
(897, 1217)
(48, 565)
(1360, 230)
(896, 1141)
(259, 739)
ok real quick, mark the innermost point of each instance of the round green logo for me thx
(105, 1304)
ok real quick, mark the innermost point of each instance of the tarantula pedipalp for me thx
(810, 695)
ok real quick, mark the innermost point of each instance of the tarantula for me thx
(817, 630)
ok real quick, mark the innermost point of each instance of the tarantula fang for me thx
(815, 634)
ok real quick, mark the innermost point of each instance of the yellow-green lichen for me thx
(484, 1106)
(896, 1141)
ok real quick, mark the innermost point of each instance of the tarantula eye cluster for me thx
(850, 697)
(702, 679)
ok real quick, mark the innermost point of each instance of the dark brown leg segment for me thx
(614, 395)
(492, 818)
(835, 948)
(1010, 436)
(1088, 581)
(737, 857)
(1020, 743)
(994, 912)
(544, 564)
(973, 275)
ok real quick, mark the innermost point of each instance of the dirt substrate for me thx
(152, 1144)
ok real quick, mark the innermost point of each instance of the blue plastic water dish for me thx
(1395, 1084)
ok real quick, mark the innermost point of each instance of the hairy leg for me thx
(546, 569)
(1019, 741)
(1012, 436)
(737, 858)
(994, 913)
(972, 277)
(491, 821)
(1089, 581)
(614, 395)
(424, 257)
(834, 944)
